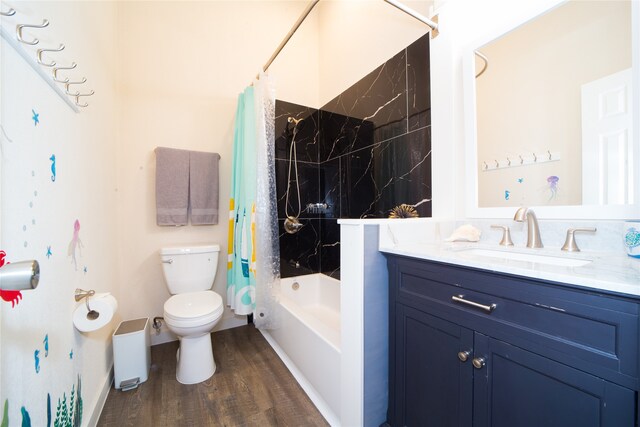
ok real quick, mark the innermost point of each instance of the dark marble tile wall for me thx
(300, 252)
(363, 153)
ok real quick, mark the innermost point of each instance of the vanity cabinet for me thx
(477, 348)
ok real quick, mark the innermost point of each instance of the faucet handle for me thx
(506, 235)
(570, 242)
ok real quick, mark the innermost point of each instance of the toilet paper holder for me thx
(81, 293)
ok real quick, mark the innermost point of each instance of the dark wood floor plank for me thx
(251, 387)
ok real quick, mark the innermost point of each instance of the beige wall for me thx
(358, 36)
(296, 70)
(181, 67)
(529, 99)
(339, 43)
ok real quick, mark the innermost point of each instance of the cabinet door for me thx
(517, 388)
(433, 387)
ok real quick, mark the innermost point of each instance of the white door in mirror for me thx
(607, 135)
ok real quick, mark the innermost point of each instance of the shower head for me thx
(297, 125)
(294, 120)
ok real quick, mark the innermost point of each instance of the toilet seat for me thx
(193, 308)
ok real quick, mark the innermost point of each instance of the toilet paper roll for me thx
(105, 304)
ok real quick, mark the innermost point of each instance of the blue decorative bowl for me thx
(632, 238)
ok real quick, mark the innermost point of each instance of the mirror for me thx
(552, 121)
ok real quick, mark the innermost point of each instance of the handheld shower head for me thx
(293, 120)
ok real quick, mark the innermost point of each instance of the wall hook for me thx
(549, 153)
(521, 159)
(67, 84)
(35, 41)
(55, 72)
(41, 51)
(508, 161)
(485, 64)
(497, 164)
(485, 165)
(535, 158)
(9, 12)
(78, 95)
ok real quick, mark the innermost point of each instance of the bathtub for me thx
(308, 338)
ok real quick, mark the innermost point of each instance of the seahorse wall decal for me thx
(46, 345)
(53, 167)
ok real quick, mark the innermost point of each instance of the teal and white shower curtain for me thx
(253, 269)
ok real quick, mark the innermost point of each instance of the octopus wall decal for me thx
(552, 183)
(75, 244)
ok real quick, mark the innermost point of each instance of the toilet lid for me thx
(192, 305)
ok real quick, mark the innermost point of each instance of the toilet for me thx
(194, 309)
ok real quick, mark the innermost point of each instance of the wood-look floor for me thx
(251, 387)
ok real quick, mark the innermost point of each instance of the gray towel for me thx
(203, 187)
(172, 186)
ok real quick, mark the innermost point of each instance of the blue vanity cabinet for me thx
(516, 352)
(432, 387)
(515, 387)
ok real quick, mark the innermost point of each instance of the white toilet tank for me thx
(189, 269)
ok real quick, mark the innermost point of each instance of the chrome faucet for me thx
(533, 231)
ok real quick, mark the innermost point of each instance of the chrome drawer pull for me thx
(487, 308)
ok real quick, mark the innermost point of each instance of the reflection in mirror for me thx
(554, 110)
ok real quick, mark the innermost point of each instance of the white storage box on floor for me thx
(131, 353)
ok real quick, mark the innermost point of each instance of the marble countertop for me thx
(613, 273)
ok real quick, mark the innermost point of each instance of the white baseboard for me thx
(102, 399)
(230, 322)
(166, 335)
(314, 396)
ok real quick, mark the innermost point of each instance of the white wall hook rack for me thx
(34, 60)
(524, 159)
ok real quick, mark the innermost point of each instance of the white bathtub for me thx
(308, 339)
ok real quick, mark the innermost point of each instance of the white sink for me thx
(519, 256)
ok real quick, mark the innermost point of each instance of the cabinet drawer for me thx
(595, 332)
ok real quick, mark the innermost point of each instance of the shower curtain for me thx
(253, 268)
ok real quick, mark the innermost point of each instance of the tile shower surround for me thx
(363, 153)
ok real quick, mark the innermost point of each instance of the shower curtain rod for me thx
(293, 29)
(433, 24)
